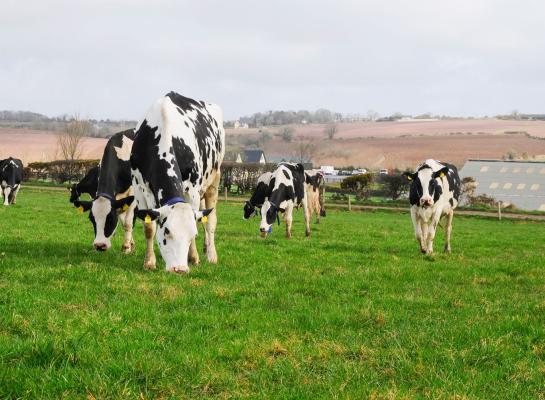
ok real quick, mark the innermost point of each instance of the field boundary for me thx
(337, 206)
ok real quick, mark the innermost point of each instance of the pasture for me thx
(353, 312)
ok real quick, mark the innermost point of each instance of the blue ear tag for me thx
(270, 229)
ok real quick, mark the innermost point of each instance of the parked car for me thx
(383, 171)
(359, 171)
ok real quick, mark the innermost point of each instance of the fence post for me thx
(499, 210)
(349, 204)
(225, 193)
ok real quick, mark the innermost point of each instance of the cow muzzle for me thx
(100, 246)
(426, 202)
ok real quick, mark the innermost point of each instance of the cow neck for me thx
(172, 201)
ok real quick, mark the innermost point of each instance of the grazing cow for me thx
(315, 188)
(88, 184)
(434, 193)
(175, 160)
(113, 199)
(288, 190)
(11, 175)
(261, 193)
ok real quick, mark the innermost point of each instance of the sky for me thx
(114, 58)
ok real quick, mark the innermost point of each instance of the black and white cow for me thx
(176, 160)
(261, 193)
(287, 190)
(113, 199)
(88, 184)
(434, 193)
(315, 194)
(11, 175)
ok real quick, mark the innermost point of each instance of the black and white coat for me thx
(287, 190)
(112, 201)
(88, 184)
(11, 176)
(434, 192)
(261, 193)
(315, 193)
(176, 160)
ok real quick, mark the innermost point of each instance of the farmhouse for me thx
(521, 183)
(252, 156)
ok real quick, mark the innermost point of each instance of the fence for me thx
(60, 171)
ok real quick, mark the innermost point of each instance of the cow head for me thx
(103, 214)
(425, 189)
(249, 210)
(74, 195)
(177, 227)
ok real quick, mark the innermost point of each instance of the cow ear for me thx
(147, 215)
(202, 215)
(441, 173)
(123, 205)
(410, 176)
(83, 205)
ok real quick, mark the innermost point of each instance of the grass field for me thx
(353, 312)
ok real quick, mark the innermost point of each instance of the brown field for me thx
(32, 145)
(405, 144)
(365, 144)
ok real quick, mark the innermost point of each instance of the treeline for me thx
(31, 120)
(271, 118)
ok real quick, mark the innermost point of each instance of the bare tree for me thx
(69, 144)
(305, 151)
(331, 131)
(69, 141)
(372, 115)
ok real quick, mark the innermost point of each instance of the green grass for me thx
(353, 312)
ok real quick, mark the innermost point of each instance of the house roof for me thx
(521, 183)
(252, 156)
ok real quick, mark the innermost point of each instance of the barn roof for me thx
(253, 156)
(521, 183)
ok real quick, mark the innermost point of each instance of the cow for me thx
(11, 175)
(88, 184)
(434, 192)
(315, 194)
(261, 193)
(113, 200)
(175, 160)
(287, 190)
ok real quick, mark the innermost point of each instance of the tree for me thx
(511, 155)
(69, 144)
(287, 134)
(373, 115)
(358, 184)
(330, 131)
(264, 137)
(395, 184)
(467, 190)
(304, 151)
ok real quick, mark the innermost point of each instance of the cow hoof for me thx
(307, 233)
(128, 248)
(447, 250)
(212, 258)
(178, 270)
(150, 265)
(194, 261)
(423, 251)
(288, 235)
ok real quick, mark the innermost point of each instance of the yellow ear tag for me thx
(442, 174)
(125, 207)
(147, 220)
(80, 210)
(204, 219)
(409, 177)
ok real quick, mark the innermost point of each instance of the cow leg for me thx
(14, 201)
(193, 255)
(149, 232)
(288, 219)
(127, 219)
(205, 245)
(448, 230)
(417, 230)
(307, 216)
(211, 201)
(424, 237)
(432, 227)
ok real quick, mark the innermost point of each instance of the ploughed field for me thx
(353, 312)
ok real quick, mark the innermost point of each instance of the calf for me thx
(175, 161)
(287, 190)
(315, 189)
(11, 175)
(113, 199)
(434, 193)
(88, 184)
(261, 193)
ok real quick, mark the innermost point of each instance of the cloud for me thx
(114, 58)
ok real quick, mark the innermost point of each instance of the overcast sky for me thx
(113, 58)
